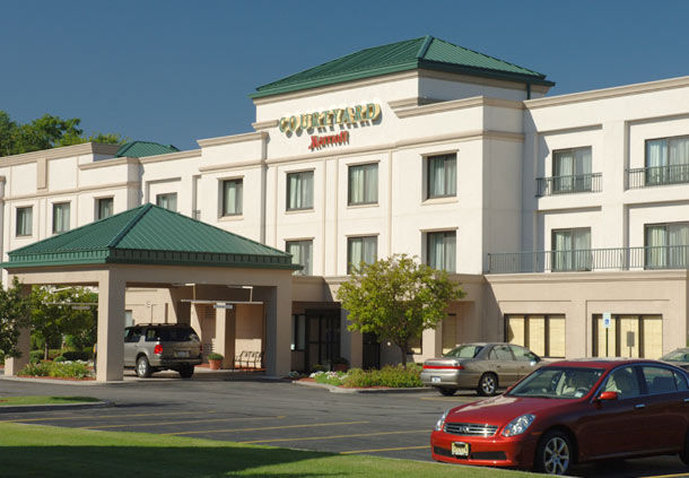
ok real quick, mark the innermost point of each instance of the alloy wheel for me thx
(556, 456)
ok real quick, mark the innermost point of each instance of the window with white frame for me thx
(104, 208)
(667, 160)
(61, 217)
(167, 201)
(572, 249)
(441, 250)
(302, 254)
(232, 190)
(24, 226)
(300, 190)
(441, 174)
(361, 249)
(666, 245)
(363, 184)
(572, 170)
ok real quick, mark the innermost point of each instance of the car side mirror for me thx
(607, 396)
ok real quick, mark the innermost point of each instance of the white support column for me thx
(110, 357)
(14, 365)
(278, 310)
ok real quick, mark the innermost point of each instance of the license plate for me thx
(460, 449)
(435, 379)
(182, 354)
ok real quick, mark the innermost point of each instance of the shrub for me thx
(64, 369)
(59, 359)
(76, 355)
(35, 356)
(215, 356)
(329, 378)
(389, 376)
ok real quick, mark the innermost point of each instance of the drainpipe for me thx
(528, 91)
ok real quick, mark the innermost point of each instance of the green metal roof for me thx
(420, 53)
(149, 234)
(141, 149)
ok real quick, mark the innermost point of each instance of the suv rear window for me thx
(171, 334)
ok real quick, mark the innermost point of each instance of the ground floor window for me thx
(628, 336)
(544, 335)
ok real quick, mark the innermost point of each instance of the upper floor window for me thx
(666, 245)
(104, 208)
(572, 170)
(232, 197)
(24, 226)
(572, 249)
(667, 160)
(361, 249)
(441, 250)
(300, 190)
(442, 175)
(363, 184)
(167, 200)
(60, 217)
(302, 254)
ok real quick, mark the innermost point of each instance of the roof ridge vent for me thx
(425, 46)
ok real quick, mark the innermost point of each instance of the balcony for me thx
(580, 183)
(657, 176)
(621, 259)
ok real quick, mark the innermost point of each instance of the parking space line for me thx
(354, 452)
(334, 437)
(128, 425)
(265, 428)
(82, 417)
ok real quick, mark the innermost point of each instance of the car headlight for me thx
(518, 425)
(441, 421)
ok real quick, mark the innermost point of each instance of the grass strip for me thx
(43, 400)
(45, 451)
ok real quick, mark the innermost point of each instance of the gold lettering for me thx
(357, 114)
(373, 111)
(284, 125)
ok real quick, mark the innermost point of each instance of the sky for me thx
(175, 71)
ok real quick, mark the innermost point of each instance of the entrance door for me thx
(371, 351)
(323, 337)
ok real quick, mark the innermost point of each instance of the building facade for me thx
(560, 215)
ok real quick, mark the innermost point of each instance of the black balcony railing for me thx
(657, 176)
(580, 183)
(620, 258)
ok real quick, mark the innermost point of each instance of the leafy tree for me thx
(56, 314)
(14, 316)
(397, 299)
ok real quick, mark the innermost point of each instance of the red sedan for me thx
(572, 412)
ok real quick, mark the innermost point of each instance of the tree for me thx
(56, 313)
(14, 316)
(397, 299)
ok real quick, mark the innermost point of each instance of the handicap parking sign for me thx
(607, 320)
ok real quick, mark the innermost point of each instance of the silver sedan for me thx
(480, 366)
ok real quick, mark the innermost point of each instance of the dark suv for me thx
(152, 347)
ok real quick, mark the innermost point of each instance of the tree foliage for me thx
(46, 132)
(397, 299)
(14, 316)
(56, 315)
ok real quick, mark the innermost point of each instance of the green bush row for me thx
(389, 376)
(53, 354)
(56, 369)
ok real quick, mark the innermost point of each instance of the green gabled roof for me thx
(149, 234)
(141, 149)
(420, 53)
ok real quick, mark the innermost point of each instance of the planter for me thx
(215, 364)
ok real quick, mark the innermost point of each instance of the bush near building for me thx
(393, 376)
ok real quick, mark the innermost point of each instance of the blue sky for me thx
(176, 71)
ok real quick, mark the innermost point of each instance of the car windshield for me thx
(677, 356)
(557, 382)
(464, 351)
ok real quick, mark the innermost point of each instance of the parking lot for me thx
(395, 425)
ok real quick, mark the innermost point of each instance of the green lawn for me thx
(33, 450)
(43, 400)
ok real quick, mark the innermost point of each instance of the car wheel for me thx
(554, 453)
(448, 392)
(488, 384)
(186, 371)
(684, 454)
(143, 368)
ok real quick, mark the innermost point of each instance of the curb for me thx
(56, 406)
(335, 389)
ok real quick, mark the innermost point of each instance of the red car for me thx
(571, 412)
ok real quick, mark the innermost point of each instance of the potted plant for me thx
(215, 360)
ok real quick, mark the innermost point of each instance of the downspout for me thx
(528, 91)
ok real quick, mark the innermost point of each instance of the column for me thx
(14, 365)
(110, 357)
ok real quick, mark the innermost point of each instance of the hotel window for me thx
(441, 250)
(667, 161)
(302, 254)
(363, 184)
(232, 190)
(666, 246)
(361, 249)
(442, 176)
(572, 249)
(544, 335)
(24, 226)
(60, 217)
(628, 336)
(104, 208)
(572, 170)
(300, 190)
(167, 201)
